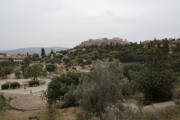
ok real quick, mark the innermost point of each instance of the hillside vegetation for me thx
(147, 72)
(118, 72)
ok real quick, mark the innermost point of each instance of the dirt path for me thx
(25, 99)
(28, 90)
(149, 108)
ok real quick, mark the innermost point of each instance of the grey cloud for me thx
(66, 23)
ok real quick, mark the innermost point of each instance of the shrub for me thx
(59, 86)
(131, 67)
(70, 99)
(157, 85)
(50, 67)
(33, 83)
(14, 85)
(56, 90)
(5, 86)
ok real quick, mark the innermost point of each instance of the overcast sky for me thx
(66, 23)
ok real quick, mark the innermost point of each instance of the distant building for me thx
(15, 58)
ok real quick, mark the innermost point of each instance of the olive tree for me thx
(102, 87)
(157, 85)
(34, 71)
(60, 86)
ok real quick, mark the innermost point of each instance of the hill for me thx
(104, 42)
(32, 50)
(122, 50)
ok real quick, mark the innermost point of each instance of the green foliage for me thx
(156, 84)
(34, 83)
(35, 57)
(101, 87)
(134, 67)
(70, 98)
(17, 74)
(127, 53)
(176, 65)
(5, 86)
(59, 86)
(27, 60)
(34, 71)
(66, 60)
(56, 90)
(2, 73)
(43, 53)
(50, 67)
(14, 85)
(6, 70)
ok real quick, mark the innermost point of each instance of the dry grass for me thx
(169, 113)
(46, 114)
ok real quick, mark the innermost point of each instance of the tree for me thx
(35, 57)
(156, 84)
(50, 67)
(27, 60)
(52, 52)
(102, 87)
(43, 53)
(34, 71)
(4, 71)
(177, 49)
(17, 74)
(165, 46)
(59, 86)
(128, 68)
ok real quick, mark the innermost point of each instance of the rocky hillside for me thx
(104, 42)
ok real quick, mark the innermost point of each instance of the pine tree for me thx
(43, 53)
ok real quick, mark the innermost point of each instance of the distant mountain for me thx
(32, 50)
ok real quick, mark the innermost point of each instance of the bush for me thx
(131, 67)
(33, 83)
(70, 99)
(14, 85)
(157, 85)
(56, 90)
(59, 86)
(5, 86)
(50, 67)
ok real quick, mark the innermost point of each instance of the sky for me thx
(66, 23)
